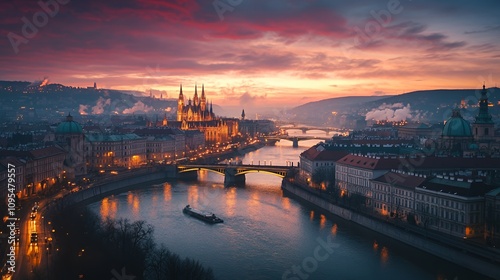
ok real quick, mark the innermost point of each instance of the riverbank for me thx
(142, 177)
(454, 255)
(116, 184)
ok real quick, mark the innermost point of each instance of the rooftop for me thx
(401, 179)
(100, 137)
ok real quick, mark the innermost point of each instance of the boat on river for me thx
(204, 216)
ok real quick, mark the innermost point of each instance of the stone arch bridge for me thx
(236, 173)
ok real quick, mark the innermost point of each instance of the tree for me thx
(164, 264)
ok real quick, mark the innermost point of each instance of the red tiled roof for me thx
(314, 154)
(374, 163)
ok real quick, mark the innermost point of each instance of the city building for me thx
(112, 150)
(198, 115)
(354, 172)
(492, 217)
(69, 135)
(19, 167)
(43, 167)
(419, 130)
(196, 111)
(320, 157)
(160, 148)
(166, 133)
(394, 194)
(483, 127)
(195, 140)
(456, 136)
(452, 205)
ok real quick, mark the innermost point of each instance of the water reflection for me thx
(136, 207)
(322, 221)
(230, 202)
(193, 196)
(167, 192)
(334, 229)
(311, 215)
(285, 203)
(108, 208)
(254, 204)
(384, 255)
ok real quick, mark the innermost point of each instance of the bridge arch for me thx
(184, 170)
(246, 171)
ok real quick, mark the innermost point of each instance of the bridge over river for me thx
(295, 139)
(236, 173)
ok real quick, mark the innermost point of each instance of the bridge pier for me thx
(295, 141)
(230, 177)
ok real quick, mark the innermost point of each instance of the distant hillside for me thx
(425, 106)
(318, 112)
(435, 105)
(34, 101)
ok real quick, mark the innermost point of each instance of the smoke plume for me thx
(390, 112)
(99, 107)
(138, 107)
(83, 109)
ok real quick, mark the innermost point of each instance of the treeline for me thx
(86, 247)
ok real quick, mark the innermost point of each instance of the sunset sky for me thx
(284, 52)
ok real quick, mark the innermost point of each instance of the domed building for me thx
(69, 135)
(456, 136)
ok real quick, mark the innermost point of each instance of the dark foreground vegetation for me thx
(86, 247)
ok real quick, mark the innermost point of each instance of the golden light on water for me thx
(334, 229)
(108, 208)
(231, 202)
(322, 221)
(254, 204)
(193, 196)
(167, 192)
(384, 255)
(285, 203)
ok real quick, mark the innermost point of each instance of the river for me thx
(268, 236)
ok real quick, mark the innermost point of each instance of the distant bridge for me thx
(295, 139)
(306, 128)
(236, 173)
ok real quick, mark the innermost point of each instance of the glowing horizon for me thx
(258, 52)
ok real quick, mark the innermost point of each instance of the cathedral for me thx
(197, 114)
(194, 111)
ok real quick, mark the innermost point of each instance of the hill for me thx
(423, 106)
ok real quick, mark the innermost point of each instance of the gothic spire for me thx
(195, 99)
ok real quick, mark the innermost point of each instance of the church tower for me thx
(243, 115)
(196, 101)
(483, 126)
(180, 105)
(203, 101)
